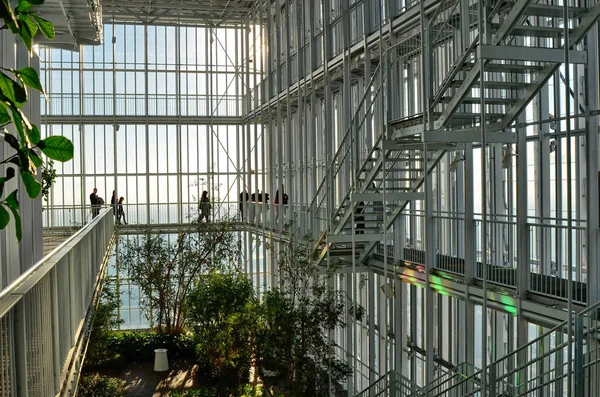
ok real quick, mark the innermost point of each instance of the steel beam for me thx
(469, 136)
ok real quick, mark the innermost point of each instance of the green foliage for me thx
(242, 391)
(166, 272)
(96, 385)
(24, 23)
(48, 178)
(298, 316)
(103, 324)
(224, 314)
(139, 346)
(118, 348)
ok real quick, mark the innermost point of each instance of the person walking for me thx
(205, 207)
(95, 203)
(279, 200)
(121, 212)
(244, 197)
(113, 203)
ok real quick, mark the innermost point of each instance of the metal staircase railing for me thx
(540, 367)
(359, 150)
(511, 81)
(392, 384)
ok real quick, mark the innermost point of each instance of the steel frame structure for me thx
(446, 151)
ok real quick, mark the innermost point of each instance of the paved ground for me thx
(142, 381)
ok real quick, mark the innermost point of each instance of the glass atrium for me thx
(476, 268)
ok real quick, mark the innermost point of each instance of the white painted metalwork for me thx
(45, 313)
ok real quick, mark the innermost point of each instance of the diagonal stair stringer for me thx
(392, 218)
(511, 20)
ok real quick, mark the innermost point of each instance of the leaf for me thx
(12, 141)
(27, 31)
(57, 148)
(26, 163)
(7, 14)
(12, 90)
(30, 77)
(4, 116)
(46, 27)
(18, 122)
(23, 6)
(34, 134)
(18, 226)
(35, 158)
(4, 217)
(32, 185)
(10, 173)
(12, 201)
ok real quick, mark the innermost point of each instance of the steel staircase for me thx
(538, 368)
(392, 384)
(526, 48)
(541, 367)
(378, 173)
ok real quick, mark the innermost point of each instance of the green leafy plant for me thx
(96, 385)
(103, 324)
(293, 353)
(242, 391)
(26, 141)
(223, 312)
(48, 178)
(167, 271)
(139, 346)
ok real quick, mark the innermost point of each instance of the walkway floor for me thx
(142, 381)
(52, 241)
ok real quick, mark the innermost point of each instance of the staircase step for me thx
(507, 68)
(472, 116)
(488, 101)
(550, 11)
(387, 179)
(502, 85)
(534, 31)
(349, 238)
(369, 197)
(415, 118)
(515, 53)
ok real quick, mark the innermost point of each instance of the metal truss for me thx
(212, 12)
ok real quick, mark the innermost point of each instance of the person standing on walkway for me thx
(94, 203)
(121, 212)
(204, 207)
(114, 200)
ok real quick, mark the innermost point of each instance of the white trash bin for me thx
(161, 362)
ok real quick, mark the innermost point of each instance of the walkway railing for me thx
(294, 218)
(43, 314)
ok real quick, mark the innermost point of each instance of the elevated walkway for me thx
(45, 313)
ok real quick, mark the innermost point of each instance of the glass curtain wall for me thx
(154, 113)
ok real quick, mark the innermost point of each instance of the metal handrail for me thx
(366, 95)
(557, 329)
(30, 277)
(347, 134)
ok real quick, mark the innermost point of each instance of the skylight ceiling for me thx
(76, 22)
(210, 12)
